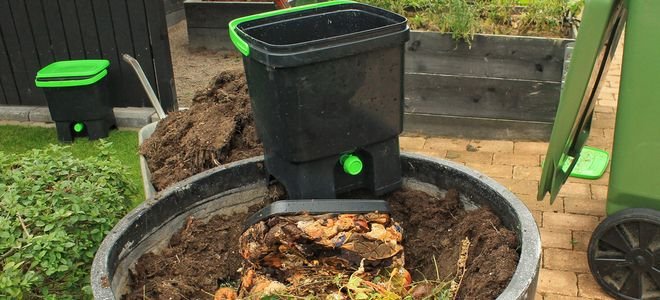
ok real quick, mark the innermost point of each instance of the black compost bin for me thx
(78, 98)
(326, 82)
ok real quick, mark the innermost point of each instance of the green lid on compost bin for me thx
(71, 73)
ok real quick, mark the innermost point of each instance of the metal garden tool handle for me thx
(318, 206)
(145, 84)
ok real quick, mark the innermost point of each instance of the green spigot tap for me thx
(351, 163)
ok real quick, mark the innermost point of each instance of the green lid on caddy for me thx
(72, 73)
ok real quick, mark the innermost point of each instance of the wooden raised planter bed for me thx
(173, 11)
(500, 87)
(208, 20)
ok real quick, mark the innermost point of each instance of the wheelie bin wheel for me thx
(624, 254)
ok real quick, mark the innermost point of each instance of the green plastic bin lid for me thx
(591, 164)
(71, 73)
(601, 25)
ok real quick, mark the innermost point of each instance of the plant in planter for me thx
(464, 18)
(485, 69)
(462, 77)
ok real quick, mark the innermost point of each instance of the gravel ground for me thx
(193, 69)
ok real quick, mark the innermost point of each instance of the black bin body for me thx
(327, 81)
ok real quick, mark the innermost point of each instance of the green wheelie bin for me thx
(624, 250)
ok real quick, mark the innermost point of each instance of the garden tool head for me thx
(280, 4)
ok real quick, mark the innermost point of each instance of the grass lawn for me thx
(19, 139)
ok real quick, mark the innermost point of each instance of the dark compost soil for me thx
(203, 256)
(217, 129)
(436, 228)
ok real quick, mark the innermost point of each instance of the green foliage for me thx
(21, 139)
(54, 212)
(463, 18)
(544, 15)
(460, 18)
(499, 12)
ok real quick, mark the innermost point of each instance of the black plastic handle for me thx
(318, 206)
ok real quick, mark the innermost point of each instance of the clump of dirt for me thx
(217, 129)
(435, 227)
(203, 256)
(197, 260)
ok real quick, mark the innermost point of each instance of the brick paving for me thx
(566, 225)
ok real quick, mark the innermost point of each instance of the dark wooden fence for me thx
(34, 33)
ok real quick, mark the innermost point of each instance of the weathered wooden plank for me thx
(28, 52)
(172, 5)
(481, 97)
(88, 29)
(121, 26)
(72, 29)
(212, 14)
(161, 53)
(129, 91)
(209, 38)
(174, 11)
(22, 22)
(56, 30)
(105, 32)
(141, 45)
(175, 17)
(24, 85)
(505, 46)
(39, 31)
(3, 100)
(476, 128)
(106, 35)
(208, 21)
(489, 56)
(9, 94)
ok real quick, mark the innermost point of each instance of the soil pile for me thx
(202, 257)
(217, 129)
(199, 258)
(434, 229)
